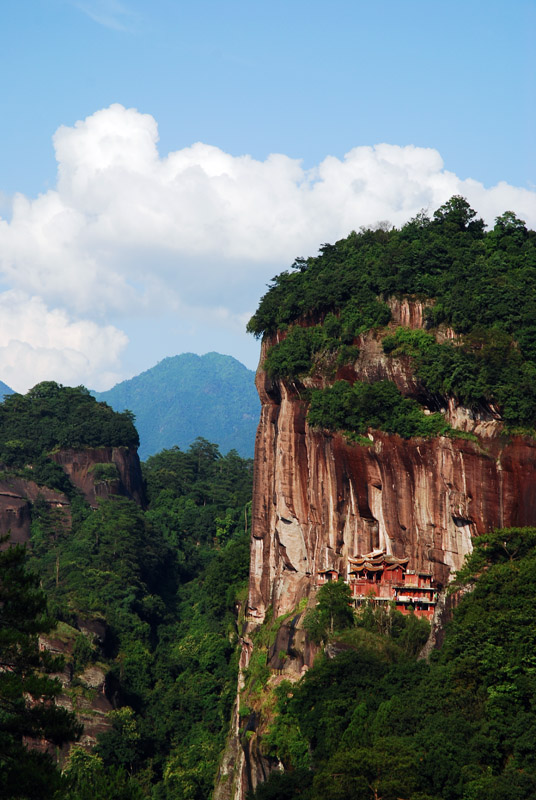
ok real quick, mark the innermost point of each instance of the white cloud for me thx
(127, 232)
(39, 344)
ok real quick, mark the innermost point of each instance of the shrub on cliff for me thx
(297, 354)
(486, 367)
(358, 407)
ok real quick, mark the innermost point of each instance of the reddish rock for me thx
(18, 494)
(79, 466)
(318, 499)
(16, 498)
(85, 694)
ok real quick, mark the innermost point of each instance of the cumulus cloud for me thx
(127, 231)
(40, 344)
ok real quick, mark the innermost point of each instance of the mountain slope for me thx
(145, 599)
(187, 396)
(5, 390)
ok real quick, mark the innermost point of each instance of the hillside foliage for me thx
(480, 283)
(162, 584)
(27, 690)
(50, 417)
(187, 396)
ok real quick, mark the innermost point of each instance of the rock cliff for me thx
(85, 470)
(96, 472)
(319, 498)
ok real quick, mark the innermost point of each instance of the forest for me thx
(164, 583)
(378, 722)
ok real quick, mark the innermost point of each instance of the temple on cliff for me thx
(385, 579)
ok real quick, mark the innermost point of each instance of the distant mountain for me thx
(187, 396)
(4, 390)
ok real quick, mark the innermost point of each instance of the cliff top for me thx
(52, 417)
(477, 336)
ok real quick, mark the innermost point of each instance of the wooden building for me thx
(385, 579)
(326, 576)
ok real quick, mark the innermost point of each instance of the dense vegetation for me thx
(358, 407)
(486, 368)
(161, 587)
(305, 348)
(481, 283)
(164, 584)
(26, 690)
(374, 722)
(187, 396)
(51, 416)
(476, 277)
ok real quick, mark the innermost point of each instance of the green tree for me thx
(88, 779)
(333, 611)
(27, 693)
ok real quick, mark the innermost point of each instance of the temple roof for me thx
(376, 560)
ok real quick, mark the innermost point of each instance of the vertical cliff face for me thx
(319, 498)
(82, 468)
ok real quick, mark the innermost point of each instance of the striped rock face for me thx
(319, 499)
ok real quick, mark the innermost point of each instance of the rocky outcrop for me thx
(85, 691)
(319, 498)
(81, 467)
(16, 498)
(121, 476)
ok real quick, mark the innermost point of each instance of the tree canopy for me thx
(481, 283)
(51, 416)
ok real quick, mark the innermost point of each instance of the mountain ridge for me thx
(186, 396)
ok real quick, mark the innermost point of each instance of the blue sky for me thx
(115, 256)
